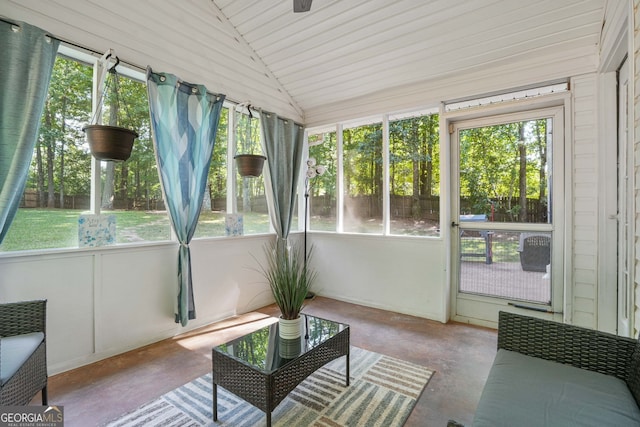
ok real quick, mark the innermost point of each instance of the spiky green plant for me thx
(289, 278)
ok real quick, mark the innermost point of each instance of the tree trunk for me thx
(246, 196)
(40, 175)
(63, 127)
(124, 187)
(206, 198)
(51, 201)
(541, 137)
(432, 139)
(522, 148)
(416, 163)
(109, 178)
(107, 190)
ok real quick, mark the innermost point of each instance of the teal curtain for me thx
(28, 55)
(283, 144)
(184, 120)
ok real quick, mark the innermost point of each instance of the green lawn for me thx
(58, 228)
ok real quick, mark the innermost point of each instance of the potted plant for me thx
(249, 163)
(290, 280)
(110, 143)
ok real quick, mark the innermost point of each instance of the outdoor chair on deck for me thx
(535, 251)
(23, 352)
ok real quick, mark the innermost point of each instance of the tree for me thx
(217, 181)
(67, 106)
(413, 159)
(504, 165)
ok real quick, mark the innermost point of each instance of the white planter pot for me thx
(290, 329)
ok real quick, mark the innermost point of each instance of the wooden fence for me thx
(427, 208)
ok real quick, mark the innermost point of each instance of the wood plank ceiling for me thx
(345, 49)
(329, 62)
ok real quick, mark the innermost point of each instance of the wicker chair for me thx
(23, 366)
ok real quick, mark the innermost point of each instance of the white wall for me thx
(401, 274)
(106, 301)
(584, 208)
(635, 72)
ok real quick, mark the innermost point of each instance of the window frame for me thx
(384, 119)
(92, 59)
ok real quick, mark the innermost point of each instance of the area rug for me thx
(383, 392)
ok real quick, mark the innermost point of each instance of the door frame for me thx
(624, 206)
(616, 51)
(562, 218)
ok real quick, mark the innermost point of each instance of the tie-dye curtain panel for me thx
(184, 120)
(28, 55)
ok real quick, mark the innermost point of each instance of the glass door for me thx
(506, 215)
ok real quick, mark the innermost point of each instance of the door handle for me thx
(454, 224)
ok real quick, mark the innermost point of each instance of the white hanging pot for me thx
(290, 329)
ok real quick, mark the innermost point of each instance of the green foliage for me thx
(247, 134)
(218, 169)
(323, 147)
(363, 160)
(253, 347)
(289, 278)
(490, 160)
(67, 108)
(62, 161)
(414, 156)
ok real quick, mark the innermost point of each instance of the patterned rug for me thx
(383, 392)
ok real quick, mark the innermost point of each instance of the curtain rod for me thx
(235, 103)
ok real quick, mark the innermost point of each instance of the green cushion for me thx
(14, 351)
(523, 390)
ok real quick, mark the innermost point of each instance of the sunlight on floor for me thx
(224, 330)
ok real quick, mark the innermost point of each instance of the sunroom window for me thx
(363, 178)
(414, 174)
(322, 188)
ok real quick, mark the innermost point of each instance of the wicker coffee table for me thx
(263, 368)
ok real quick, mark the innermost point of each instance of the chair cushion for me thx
(15, 351)
(524, 390)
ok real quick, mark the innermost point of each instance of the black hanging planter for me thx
(250, 165)
(110, 143)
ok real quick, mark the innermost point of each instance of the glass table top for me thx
(265, 350)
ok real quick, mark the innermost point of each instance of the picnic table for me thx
(486, 235)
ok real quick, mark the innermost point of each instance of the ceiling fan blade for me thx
(301, 5)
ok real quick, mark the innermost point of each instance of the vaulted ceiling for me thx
(341, 53)
(343, 49)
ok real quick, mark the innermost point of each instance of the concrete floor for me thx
(460, 354)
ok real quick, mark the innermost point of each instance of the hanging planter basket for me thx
(110, 143)
(250, 165)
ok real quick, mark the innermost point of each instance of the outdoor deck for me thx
(504, 279)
